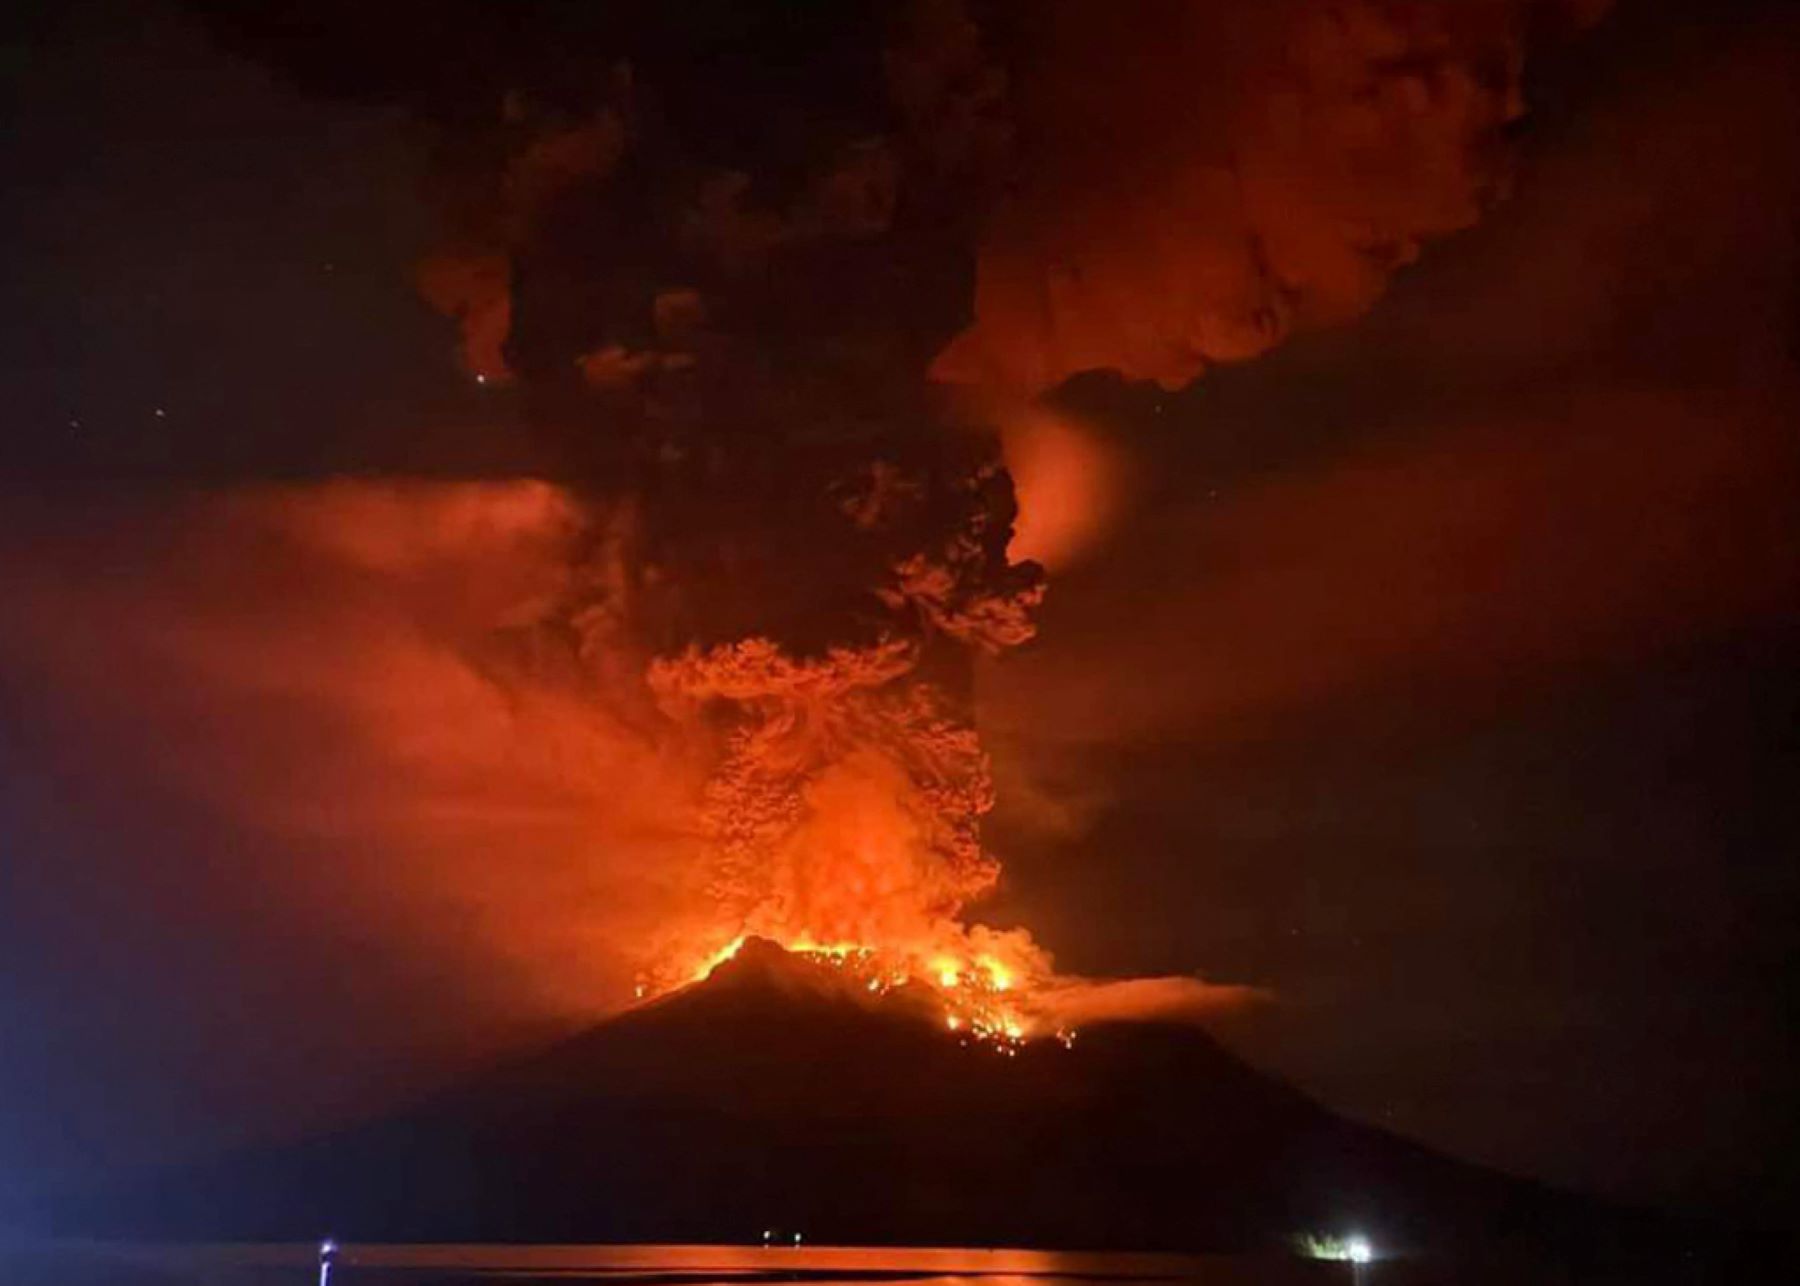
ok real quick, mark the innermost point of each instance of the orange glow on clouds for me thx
(1069, 485)
(343, 679)
(363, 686)
(1608, 522)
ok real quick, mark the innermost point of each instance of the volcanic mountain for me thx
(780, 1094)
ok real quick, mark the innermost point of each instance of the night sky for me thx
(1435, 672)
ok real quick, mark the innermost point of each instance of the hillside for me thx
(779, 1095)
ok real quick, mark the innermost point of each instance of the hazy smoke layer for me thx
(364, 684)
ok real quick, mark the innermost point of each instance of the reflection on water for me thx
(90, 1264)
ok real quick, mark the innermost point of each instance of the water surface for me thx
(114, 1264)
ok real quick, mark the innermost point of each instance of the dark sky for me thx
(185, 233)
(1437, 673)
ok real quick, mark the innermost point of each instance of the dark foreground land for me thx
(776, 1096)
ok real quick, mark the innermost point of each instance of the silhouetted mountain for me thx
(778, 1094)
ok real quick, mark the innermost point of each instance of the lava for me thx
(977, 995)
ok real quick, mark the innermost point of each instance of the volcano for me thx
(779, 1093)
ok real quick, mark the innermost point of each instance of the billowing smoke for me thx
(769, 279)
(1198, 181)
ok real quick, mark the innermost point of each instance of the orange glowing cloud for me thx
(1253, 170)
(1070, 484)
(349, 682)
(1074, 1004)
(397, 714)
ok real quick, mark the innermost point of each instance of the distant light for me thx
(796, 1239)
(328, 1247)
(480, 378)
(160, 413)
(1352, 1249)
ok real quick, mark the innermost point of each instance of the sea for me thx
(122, 1264)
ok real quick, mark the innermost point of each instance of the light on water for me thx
(373, 1264)
(1352, 1249)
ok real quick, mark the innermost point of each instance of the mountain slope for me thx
(777, 1094)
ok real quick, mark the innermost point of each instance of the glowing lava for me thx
(978, 995)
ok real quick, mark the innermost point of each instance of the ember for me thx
(975, 994)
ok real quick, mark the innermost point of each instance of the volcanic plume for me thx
(768, 282)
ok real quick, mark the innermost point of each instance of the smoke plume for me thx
(771, 280)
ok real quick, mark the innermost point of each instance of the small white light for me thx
(1359, 1250)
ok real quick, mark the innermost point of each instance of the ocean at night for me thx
(121, 1264)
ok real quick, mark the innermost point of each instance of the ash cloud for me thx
(1199, 181)
(728, 257)
(715, 252)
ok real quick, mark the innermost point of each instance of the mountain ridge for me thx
(779, 1093)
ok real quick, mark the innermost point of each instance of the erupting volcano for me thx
(824, 617)
(769, 283)
(779, 1093)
